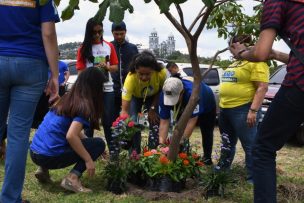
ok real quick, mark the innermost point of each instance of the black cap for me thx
(119, 26)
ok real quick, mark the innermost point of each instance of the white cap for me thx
(172, 89)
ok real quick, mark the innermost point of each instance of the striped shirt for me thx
(288, 16)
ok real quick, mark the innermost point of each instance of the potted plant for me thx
(117, 169)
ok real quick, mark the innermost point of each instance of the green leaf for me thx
(102, 11)
(125, 4)
(116, 13)
(73, 3)
(94, 1)
(147, 1)
(57, 2)
(179, 1)
(67, 13)
(164, 5)
(43, 2)
(209, 3)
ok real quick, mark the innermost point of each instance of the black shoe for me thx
(207, 161)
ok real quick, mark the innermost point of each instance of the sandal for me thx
(74, 185)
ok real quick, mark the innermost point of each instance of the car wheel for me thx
(300, 135)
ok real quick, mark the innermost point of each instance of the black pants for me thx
(94, 146)
(207, 123)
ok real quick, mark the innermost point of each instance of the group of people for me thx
(115, 79)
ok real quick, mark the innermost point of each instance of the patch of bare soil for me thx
(291, 191)
(191, 193)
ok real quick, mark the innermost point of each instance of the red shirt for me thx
(288, 17)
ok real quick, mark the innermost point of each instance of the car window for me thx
(278, 76)
(212, 78)
(72, 68)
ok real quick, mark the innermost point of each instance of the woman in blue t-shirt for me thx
(59, 141)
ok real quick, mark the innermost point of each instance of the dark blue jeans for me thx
(233, 123)
(281, 121)
(207, 123)
(95, 147)
(135, 108)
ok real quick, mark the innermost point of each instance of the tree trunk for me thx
(183, 120)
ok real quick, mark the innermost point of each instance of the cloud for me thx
(141, 23)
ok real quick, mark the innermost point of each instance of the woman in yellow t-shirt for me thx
(242, 91)
(140, 94)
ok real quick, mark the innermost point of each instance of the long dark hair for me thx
(85, 98)
(86, 49)
(146, 59)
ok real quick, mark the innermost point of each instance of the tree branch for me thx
(203, 23)
(199, 15)
(181, 16)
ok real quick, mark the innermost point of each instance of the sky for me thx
(143, 20)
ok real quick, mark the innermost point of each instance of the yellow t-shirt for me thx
(237, 87)
(133, 86)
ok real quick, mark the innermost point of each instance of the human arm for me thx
(125, 106)
(74, 139)
(49, 38)
(190, 127)
(66, 76)
(259, 95)
(163, 130)
(262, 50)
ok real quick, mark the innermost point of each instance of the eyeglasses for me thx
(95, 32)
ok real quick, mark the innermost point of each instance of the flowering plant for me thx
(155, 163)
(123, 128)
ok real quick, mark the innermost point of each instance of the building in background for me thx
(163, 49)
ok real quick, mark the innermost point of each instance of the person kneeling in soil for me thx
(59, 142)
(172, 101)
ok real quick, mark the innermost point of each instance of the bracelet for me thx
(240, 53)
(253, 110)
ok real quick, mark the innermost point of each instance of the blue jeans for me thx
(135, 108)
(94, 146)
(22, 81)
(233, 123)
(281, 121)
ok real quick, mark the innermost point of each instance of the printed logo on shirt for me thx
(228, 76)
(196, 110)
(124, 91)
(147, 91)
(19, 3)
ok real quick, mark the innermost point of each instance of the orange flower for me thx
(186, 162)
(164, 160)
(148, 153)
(195, 156)
(199, 163)
(182, 155)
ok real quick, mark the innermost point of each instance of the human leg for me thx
(283, 117)
(135, 108)
(23, 93)
(228, 139)
(207, 123)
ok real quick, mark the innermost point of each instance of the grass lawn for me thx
(290, 167)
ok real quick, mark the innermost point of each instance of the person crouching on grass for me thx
(59, 142)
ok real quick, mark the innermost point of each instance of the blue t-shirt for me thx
(62, 69)
(50, 138)
(205, 104)
(20, 27)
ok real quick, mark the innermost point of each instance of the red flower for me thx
(195, 156)
(186, 162)
(115, 123)
(148, 153)
(199, 163)
(182, 155)
(131, 124)
(124, 116)
(164, 160)
(146, 149)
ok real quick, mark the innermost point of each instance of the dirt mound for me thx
(193, 194)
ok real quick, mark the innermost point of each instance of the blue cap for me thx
(119, 26)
